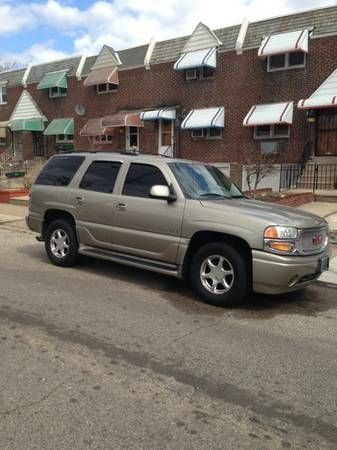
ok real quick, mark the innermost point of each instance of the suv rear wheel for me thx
(61, 243)
(220, 275)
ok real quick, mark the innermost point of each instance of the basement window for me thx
(284, 61)
(207, 133)
(272, 131)
(104, 88)
(57, 92)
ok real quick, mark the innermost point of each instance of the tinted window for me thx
(101, 176)
(59, 171)
(141, 178)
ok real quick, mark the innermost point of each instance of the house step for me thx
(19, 201)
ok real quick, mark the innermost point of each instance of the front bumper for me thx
(275, 274)
(34, 222)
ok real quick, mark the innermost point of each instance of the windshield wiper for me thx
(214, 194)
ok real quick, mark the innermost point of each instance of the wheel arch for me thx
(201, 238)
(54, 214)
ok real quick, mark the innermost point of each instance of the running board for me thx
(130, 260)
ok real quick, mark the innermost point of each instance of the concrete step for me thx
(19, 201)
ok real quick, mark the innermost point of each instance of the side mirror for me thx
(162, 192)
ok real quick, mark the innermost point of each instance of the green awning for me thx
(54, 79)
(60, 126)
(27, 125)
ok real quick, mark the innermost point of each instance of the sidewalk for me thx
(13, 216)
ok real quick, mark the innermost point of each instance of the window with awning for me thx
(54, 80)
(107, 75)
(324, 97)
(94, 128)
(198, 58)
(269, 114)
(293, 41)
(157, 114)
(27, 125)
(60, 126)
(204, 118)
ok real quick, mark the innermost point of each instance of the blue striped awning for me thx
(198, 58)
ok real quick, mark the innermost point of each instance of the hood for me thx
(270, 213)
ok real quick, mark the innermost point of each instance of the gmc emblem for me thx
(317, 239)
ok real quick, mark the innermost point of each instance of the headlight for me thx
(281, 233)
(279, 239)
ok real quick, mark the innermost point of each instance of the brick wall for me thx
(240, 82)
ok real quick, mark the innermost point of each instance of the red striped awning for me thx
(102, 76)
(269, 114)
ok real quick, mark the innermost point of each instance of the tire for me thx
(61, 243)
(229, 273)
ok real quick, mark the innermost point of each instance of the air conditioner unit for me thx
(269, 148)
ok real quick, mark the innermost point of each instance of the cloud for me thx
(125, 23)
(36, 54)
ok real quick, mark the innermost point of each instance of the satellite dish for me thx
(80, 110)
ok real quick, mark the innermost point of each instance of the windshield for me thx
(198, 181)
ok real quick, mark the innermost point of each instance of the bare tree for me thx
(258, 165)
(9, 65)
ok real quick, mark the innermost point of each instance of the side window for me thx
(59, 171)
(101, 176)
(140, 179)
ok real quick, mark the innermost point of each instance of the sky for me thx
(44, 30)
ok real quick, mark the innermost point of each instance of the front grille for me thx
(314, 240)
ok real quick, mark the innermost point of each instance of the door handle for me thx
(121, 206)
(79, 200)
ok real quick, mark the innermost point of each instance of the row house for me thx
(268, 86)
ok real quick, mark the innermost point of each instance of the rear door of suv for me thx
(145, 226)
(93, 200)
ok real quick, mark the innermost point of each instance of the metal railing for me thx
(309, 177)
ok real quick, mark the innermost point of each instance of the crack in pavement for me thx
(19, 406)
(226, 392)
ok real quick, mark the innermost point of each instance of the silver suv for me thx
(176, 217)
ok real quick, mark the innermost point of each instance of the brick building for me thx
(213, 95)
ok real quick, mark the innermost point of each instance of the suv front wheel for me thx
(61, 243)
(220, 274)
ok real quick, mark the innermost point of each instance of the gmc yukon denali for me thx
(176, 217)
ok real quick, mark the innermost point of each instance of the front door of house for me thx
(132, 138)
(38, 143)
(17, 144)
(326, 132)
(166, 136)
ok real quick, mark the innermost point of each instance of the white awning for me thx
(274, 44)
(204, 118)
(270, 114)
(324, 97)
(156, 114)
(199, 58)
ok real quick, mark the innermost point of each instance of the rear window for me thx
(101, 176)
(59, 171)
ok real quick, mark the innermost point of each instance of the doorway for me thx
(132, 138)
(166, 136)
(17, 144)
(38, 143)
(326, 132)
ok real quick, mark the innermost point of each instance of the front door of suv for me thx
(145, 226)
(94, 202)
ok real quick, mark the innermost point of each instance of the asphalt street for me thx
(103, 356)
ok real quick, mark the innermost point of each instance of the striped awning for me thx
(198, 58)
(54, 79)
(27, 125)
(122, 120)
(156, 114)
(102, 76)
(275, 44)
(60, 126)
(204, 118)
(269, 114)
(94, 128)
(324, 97)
